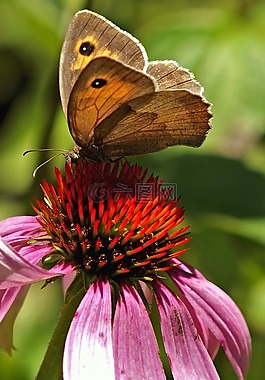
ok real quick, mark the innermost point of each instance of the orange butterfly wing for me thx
(89, 36)
(102, 87)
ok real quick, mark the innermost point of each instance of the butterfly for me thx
(116, 102)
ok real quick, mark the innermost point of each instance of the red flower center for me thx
(110, 219)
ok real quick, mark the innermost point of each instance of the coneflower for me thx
(120, 233)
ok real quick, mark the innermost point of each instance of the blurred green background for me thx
(222, 184)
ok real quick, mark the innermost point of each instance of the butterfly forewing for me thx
(89, 36)
(102, 87)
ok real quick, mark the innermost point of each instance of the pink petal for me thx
(218, 313)
(7, 297)
(67, 280)
(209, 340)
(135, 347)
(10, 304)
(33, 253)
(18, 226)
(19, 230)
(188, 357)
(88, 348)
(16, 271)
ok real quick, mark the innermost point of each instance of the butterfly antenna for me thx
(44, 163)
(131, 169)
(62, 151)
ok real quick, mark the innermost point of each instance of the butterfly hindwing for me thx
(170, 76)
(157, 121)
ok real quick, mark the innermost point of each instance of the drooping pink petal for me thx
(209, 340)
(11, 301)
(35, 252)
(7, 298)
(19, 230)
(135, 347)
(217, 312)
(18, 226)
(211, 343)
(188, 357)
(67, 280)
(88, 349)
(16, 271)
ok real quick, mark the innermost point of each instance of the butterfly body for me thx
(117, 103)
